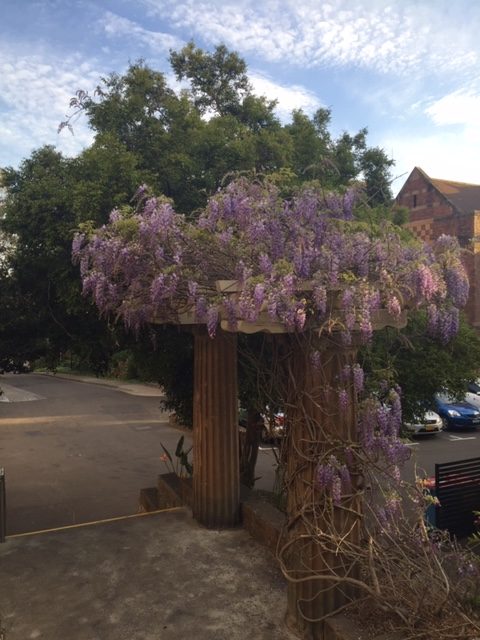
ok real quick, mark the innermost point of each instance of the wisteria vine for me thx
(307, 265)
(303, 263)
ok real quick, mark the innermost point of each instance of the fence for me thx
(457, 487)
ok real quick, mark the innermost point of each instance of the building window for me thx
(414, 201)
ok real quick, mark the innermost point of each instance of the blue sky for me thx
(409, 70)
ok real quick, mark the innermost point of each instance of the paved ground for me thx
(156, 577)
(81, 450)
(77, 450)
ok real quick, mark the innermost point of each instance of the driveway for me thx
(76, 452)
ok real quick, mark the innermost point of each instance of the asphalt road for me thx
(77, 452)
(447, 446)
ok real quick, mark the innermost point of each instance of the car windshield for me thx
(474, 387)
(447, 398)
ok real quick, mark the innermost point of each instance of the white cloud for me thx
(401, 36)
(289, 97)
(117, 26)
(450, 149)
(35, 90)
(458, 107)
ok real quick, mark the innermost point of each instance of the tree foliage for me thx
(412, 359)
(145, 132)
(219, 81)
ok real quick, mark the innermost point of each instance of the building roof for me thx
(465, 197)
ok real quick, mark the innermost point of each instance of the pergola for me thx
(216, 480)
(308, 273)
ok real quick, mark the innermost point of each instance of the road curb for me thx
(134, 388)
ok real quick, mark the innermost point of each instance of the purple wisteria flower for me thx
(443, 322)
(358, 378)
(201, 308)
(265, 264)
(320, 298)
(158, 289)
(115, 215)
(212, 320)
(259, 295)
(346, 480)
(336, 490)
(393, 307)
(316, 359)
(334, 478)
(457, 285)
(231, 312)
(343, 400)
(427, 284)
(140, 192)
(192, 288)
(78, 240)
(291, 257)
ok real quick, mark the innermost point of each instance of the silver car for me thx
(427, 424)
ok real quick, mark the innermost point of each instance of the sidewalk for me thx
(10, 393)
(132, 388)
(154, 577)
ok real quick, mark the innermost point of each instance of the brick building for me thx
(444, 206)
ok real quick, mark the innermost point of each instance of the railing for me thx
(457, 487)
(3, 507)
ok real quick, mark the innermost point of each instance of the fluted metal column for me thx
(216, 483)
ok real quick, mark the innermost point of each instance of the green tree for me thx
(44, 312)
(375, 164)
(104, 176)
(147, 133)
(337, 162)
(420, 365)
(219, 81)
(37, 216)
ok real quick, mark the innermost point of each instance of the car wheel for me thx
(445, 424)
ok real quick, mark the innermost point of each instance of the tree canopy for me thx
(184, 145)
(413, 360)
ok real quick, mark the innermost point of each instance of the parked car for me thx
(473, 394)
(474, 387)
(273, 426)
(427, 423)
(271, 423)
(456, 414)
(9, 365)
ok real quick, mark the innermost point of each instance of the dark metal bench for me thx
(457, 487)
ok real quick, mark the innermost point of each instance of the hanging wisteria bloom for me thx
(302, 263)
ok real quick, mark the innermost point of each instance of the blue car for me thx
(456, 414)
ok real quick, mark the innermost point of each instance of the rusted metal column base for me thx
(216, 484)
(315, 421)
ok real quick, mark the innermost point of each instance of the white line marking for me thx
(453, 438)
